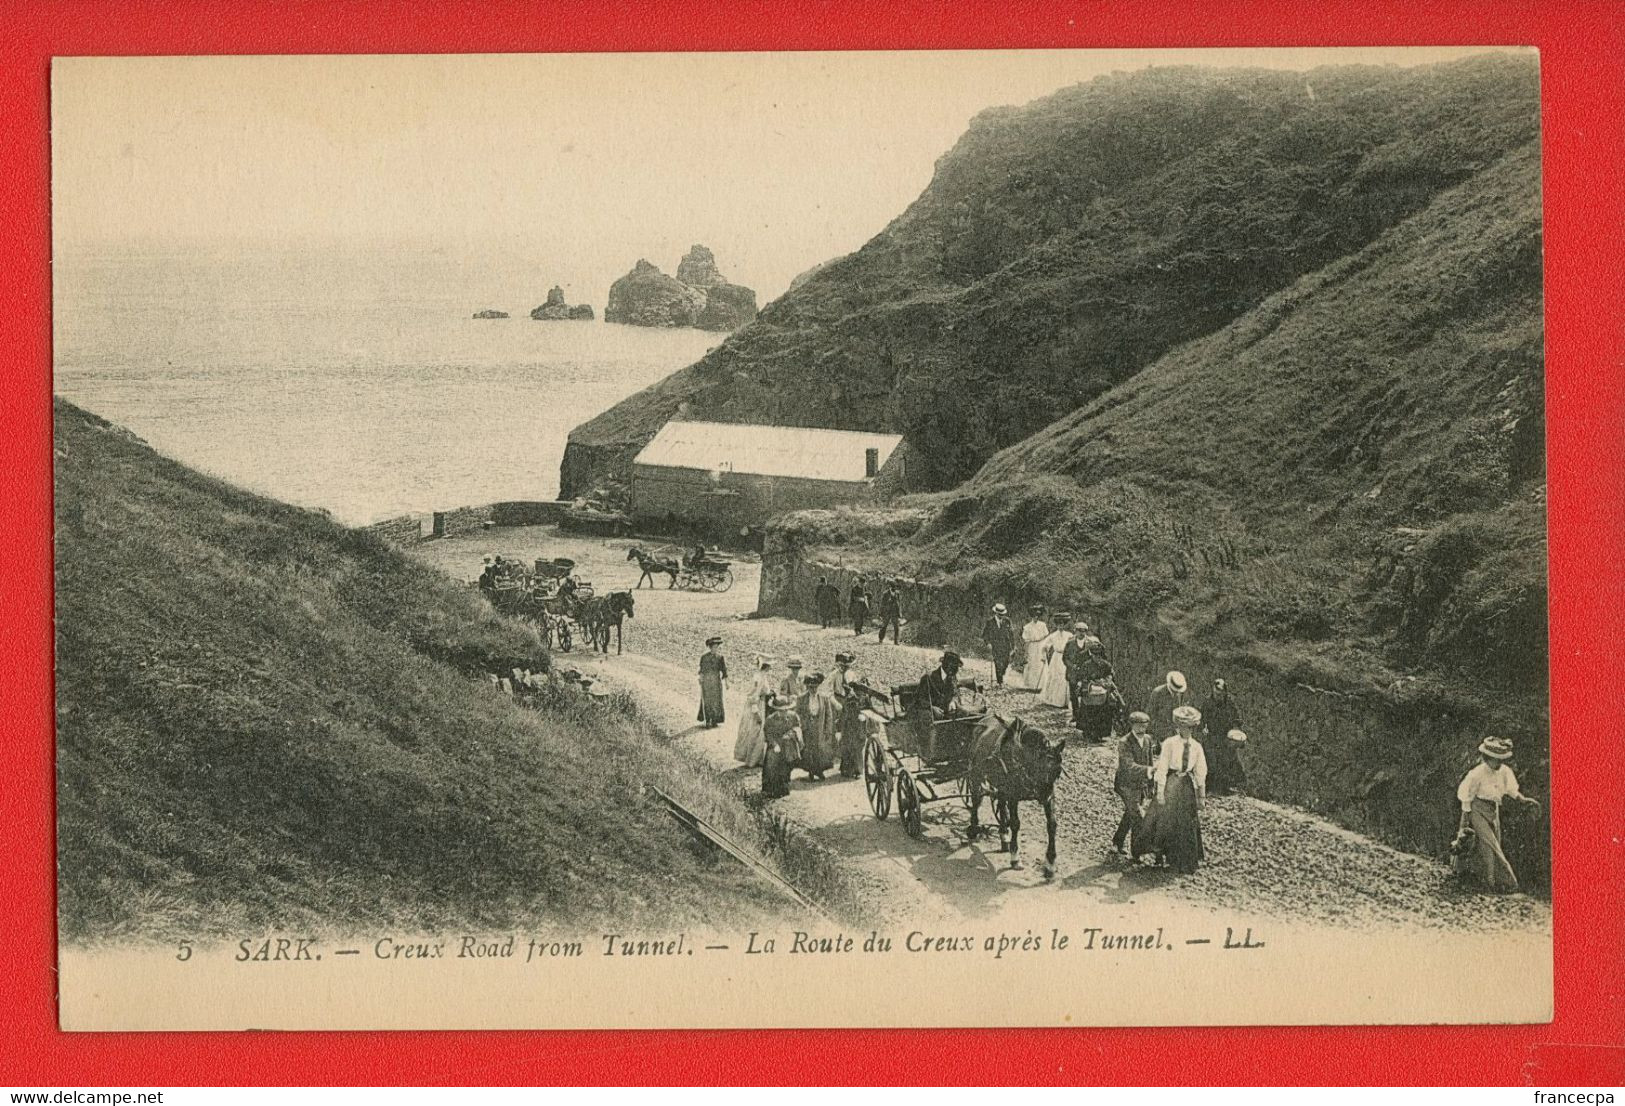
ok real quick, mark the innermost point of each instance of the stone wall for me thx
(404, 530)
(413, 528)
(1383, 767)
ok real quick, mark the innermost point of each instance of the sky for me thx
(584, 162)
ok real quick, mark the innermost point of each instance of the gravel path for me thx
(1262, 859)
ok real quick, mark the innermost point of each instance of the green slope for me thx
(1346, 485)
(1066, 245)
(265, 719)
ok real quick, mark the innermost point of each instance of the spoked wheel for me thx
(545, 625)
(908, 803)
(874, 778)
(724, 581)
(566, 638)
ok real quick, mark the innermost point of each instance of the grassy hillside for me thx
(1345, 485)
(264, 718)
(1064, 246)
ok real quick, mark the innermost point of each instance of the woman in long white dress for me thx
(1055, 691)
(750, 745)
(1032, 644)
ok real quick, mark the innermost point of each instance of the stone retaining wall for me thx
(413, 528)
(1384, 768)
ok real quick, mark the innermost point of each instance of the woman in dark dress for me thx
(1219, 719)
(850, 704)
(713, 683)
(782, 733)
(1181, 776)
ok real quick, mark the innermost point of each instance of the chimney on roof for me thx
(871, 463)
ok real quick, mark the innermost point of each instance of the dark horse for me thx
(598, 614)
(653, 566)
(1012, 763)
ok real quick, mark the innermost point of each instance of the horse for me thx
(1013, 763)
(598, 614)
(653, 566)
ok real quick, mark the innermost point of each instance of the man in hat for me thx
(939, 686)
(1000, 636)
(1167, 697)
(1072, 657)
(791, 686)
(1136, 758)
(1477, 853)
(891, 613)
(827, 600)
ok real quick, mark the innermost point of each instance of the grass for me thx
(267, 720)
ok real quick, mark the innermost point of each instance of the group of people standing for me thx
(1162, 783)
(801, 721)
(859, 604)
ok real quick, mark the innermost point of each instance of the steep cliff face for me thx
(697, 296)
(1064, 246)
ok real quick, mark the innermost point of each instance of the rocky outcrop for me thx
(490, 313)
(699, 268)
(698, 296)
(556, 310)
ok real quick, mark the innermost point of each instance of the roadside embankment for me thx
(1383, 763)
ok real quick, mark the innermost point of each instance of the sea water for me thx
(352, 380)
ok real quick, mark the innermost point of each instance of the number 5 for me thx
(183, 951)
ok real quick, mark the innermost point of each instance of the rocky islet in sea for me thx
(698, 296)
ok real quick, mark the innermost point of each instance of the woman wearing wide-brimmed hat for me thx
(817, 714)
(1181, 780)
(782, 733)
(749, 745)
(1478, 852)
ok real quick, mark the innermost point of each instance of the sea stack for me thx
(556, 310)
(698, 296)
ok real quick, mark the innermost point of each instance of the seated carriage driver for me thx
(939, 688)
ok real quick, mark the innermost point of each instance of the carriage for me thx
(707, 573)
(549, 594)
(923, 759)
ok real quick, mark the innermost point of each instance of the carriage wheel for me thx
(545, 625)
(874, 778)
(566, 638)
(908, 803)
(726, 580)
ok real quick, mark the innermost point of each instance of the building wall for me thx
(688, 494)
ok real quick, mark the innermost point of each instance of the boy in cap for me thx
(999, 634)
(1136, 758)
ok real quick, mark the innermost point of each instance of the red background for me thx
(1582, 48)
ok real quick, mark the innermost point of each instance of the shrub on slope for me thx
(264, 719)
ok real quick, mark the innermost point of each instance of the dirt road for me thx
(1262, 859)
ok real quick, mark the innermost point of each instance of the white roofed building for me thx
(735, 476)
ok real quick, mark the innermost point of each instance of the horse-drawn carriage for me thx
(549, 594)
(970, 753)
(690, 572)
